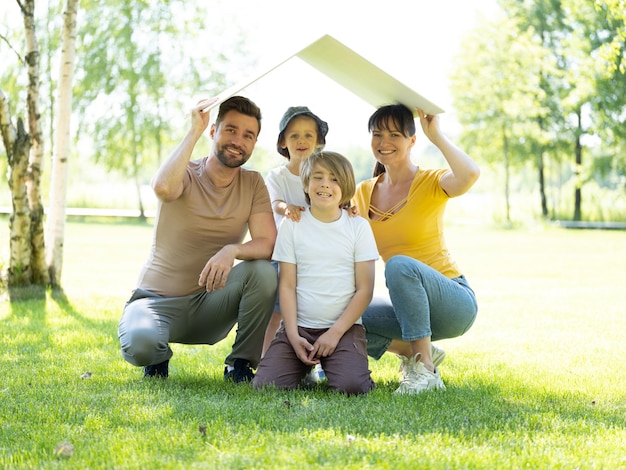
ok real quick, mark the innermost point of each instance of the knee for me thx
(264, 276)
(354, 387)
(140, 346)
(398, 267)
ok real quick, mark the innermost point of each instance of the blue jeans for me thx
(422, 302)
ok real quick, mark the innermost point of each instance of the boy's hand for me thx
(302, 347)
(325, 345)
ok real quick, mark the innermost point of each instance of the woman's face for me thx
(389, 144)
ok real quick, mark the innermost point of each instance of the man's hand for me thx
(216, 270)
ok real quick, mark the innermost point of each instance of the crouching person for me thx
(327, 263)
(190, 290)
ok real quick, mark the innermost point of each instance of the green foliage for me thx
(139, 70)
(525, 389)
(543, 84)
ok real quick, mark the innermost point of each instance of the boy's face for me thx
(300, 137)
(323, 189)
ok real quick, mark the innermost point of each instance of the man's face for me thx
(235, 139)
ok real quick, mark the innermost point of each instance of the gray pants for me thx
(150, 321)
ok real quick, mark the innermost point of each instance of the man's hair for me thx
(338, 165)
(241, 105)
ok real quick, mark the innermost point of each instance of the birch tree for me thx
(17, 144)
(24, 147)
(60, 157)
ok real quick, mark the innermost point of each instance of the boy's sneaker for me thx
(241, 372)
(437, 355)
(416, 378)
(157, 370)
(315, 376)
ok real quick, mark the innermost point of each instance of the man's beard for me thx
(231, 162)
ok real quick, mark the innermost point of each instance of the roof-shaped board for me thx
(353, 72)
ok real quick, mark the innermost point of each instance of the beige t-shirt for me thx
(191, 229)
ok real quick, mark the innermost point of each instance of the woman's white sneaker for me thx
(416, 378)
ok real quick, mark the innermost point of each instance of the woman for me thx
(429, 298)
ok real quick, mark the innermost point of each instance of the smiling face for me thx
(234, 139)
(300, 137)
(328, 180)
(323, 188)
(390, 144)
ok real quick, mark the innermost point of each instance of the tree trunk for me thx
(60, 158)
(33, 181)
(542, 184)
(507, 189)
(17, 145)
(578, 170)
(541, 168)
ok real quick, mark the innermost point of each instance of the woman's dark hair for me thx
(396, 115)
(241, 105)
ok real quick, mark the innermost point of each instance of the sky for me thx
(412, 40)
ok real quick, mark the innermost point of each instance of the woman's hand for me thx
(430, 125)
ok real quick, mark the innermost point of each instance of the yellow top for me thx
(416, 228)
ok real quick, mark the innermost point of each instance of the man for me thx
(190, 290)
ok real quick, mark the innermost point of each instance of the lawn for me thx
(538, 382)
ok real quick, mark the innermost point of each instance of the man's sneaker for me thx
(416, 378)
(315, 376)
(437, 355)
(241, 372)
(157, 370)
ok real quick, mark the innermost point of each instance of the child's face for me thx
(300, 137)
(323, 189)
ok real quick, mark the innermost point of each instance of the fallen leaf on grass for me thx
(64, 449)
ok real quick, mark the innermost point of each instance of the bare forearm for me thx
(288, 310)
(257, 248)
(167, 182)
(353, 311)
(464, 171)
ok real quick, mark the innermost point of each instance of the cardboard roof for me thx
(353, 72)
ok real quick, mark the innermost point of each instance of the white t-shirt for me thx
(324, 255)
(283, 185)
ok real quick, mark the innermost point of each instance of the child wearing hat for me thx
(300, 134)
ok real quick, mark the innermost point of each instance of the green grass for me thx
(538, 382)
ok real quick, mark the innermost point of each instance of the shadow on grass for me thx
(30, 307)
(465, 411)
(61, 299)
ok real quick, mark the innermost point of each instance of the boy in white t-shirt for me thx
(327, 262)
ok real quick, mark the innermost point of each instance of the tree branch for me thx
(19, 57)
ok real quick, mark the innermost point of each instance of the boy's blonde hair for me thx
(338, 165)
